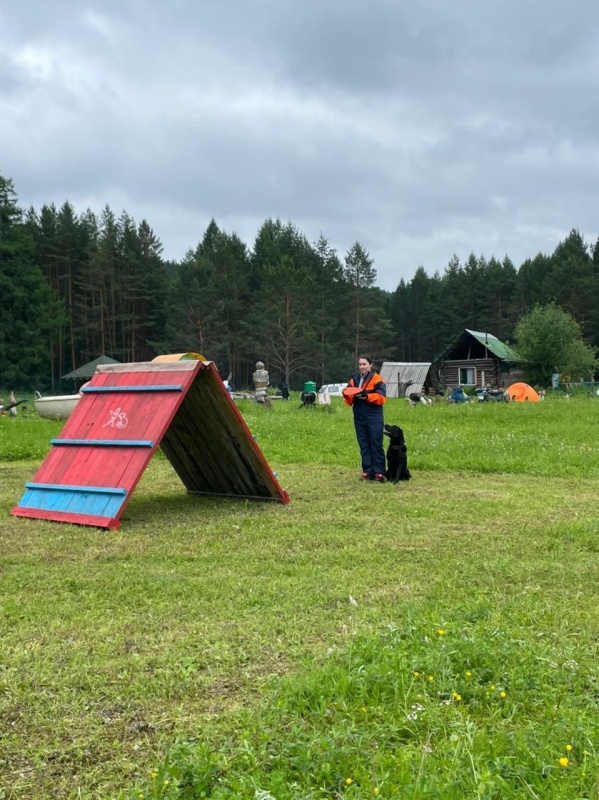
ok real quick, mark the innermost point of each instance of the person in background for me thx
(261, 384)
(366, 393)
(12, 405)
(458, 395)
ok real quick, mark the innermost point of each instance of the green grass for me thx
(214, 648)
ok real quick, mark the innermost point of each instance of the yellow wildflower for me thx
(430, 677)
(568, 748)
(416, 674)
(468, 674)
(563, 762)
(502, 694)
(441, 632)
(348, 781)
(375, 790)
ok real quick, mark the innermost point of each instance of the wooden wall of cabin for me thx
(486, 371)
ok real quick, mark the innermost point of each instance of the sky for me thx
(421, 129)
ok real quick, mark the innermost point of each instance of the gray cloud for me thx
(422, 130)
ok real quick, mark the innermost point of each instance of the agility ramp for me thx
(126, 412)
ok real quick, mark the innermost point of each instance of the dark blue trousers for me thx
(369, 432)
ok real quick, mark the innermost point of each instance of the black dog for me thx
(397, 455)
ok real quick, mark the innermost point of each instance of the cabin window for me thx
(467, 376)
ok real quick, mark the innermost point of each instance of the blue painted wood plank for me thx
(68, 488)
(95, 504)
(103, 442)
(91, 503)
(173, 387)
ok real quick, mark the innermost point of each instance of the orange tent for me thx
(522, 392)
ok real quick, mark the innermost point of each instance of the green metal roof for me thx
(87, 370)
(497, 347)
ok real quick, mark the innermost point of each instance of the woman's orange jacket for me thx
(374, 386)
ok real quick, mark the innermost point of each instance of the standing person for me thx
(261, 383)
(366, 393)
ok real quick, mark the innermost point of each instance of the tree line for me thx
(73, 287)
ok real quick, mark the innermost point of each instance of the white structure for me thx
(56, 407)
(404, 378)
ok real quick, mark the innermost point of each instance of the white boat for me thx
(57, 407)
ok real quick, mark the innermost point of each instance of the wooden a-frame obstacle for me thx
(126, 412)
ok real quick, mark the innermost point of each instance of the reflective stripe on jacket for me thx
(373, 385)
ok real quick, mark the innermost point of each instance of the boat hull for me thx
(58, 407)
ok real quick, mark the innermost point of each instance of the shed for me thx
(126, 412)
(85, 372)
(404, 378)
(478, 358)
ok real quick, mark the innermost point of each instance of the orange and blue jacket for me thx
(376, 393)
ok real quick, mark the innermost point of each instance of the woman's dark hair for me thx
(367, 358)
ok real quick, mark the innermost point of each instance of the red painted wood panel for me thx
(145, 417)
(61, 516)
(118, 416)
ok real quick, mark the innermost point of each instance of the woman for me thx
(365, 393)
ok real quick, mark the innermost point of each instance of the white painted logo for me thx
(118, 419)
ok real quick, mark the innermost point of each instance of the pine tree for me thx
(29, 314)
(329, 304)
(367, 317)
(360, 274)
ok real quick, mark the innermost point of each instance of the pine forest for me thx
(76, 286)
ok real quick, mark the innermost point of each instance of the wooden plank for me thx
(102, 443)
(106, 467)
(95, 504)
(151, 367)
(59, 462)
(238, 496)
(107, 412)
(57, 516)
(66, 488)
(174, 387)
(74, 502)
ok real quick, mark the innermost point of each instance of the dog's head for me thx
(395, 433)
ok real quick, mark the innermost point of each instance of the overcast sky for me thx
(421, 129)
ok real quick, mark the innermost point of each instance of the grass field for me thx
(435, 639)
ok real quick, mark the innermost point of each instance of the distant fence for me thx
(588, 387)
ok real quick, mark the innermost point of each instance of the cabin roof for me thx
(492, 344)
(86, 371)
